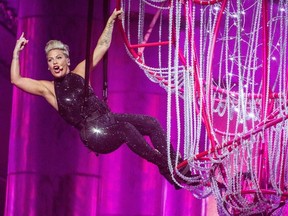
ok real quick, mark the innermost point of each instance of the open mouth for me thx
(57, 69)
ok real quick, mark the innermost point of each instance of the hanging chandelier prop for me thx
(223, 64)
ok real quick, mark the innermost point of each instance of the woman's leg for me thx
(107, 139)
(149, 126)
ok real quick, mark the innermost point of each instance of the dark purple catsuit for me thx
(103, 131)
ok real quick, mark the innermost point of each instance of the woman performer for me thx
(100, 130)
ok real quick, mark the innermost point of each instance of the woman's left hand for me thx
(116, 14)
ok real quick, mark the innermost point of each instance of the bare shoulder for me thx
(80, 69)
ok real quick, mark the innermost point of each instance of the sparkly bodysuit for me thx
(103, 131)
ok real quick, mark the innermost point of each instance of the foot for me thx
(165, 172)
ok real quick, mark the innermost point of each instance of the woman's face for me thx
(58, 63)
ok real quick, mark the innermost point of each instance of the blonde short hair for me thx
(56, 44)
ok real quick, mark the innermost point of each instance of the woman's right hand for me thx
(20, 44)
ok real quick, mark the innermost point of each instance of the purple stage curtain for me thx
(50, 172)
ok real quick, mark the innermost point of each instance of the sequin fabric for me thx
(70, 92)
(103, 131)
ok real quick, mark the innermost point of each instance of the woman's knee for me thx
(153, 122)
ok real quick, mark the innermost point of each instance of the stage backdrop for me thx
(50, 172)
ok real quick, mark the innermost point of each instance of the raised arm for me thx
(37, 87)
(103, 43)
(105, 38)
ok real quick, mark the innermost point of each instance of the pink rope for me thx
(206, 112)
(263, 163)
(206, 2)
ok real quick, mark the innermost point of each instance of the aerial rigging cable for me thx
(106, 6)
(88, 53)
